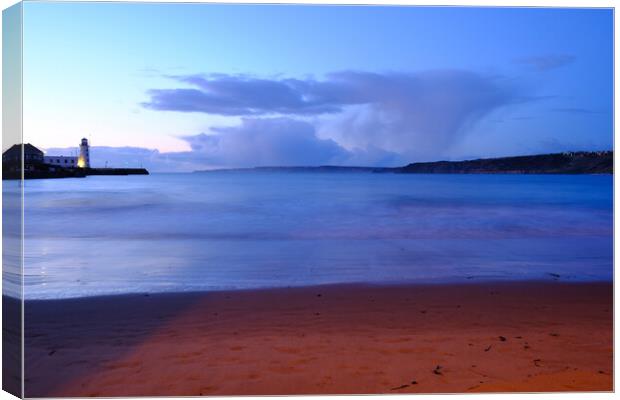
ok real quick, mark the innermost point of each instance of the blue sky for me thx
(194, 86)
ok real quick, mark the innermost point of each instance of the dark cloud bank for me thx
(460, 91)
(348, 118)
(547, 62)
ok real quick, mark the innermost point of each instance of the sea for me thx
(105, 235)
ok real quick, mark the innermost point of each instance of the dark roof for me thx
(16, 150)
(30, 149)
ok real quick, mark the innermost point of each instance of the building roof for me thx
(16, 150)
(30, 149)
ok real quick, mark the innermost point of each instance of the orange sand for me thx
(325, 340)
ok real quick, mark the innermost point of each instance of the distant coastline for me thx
(581, 162)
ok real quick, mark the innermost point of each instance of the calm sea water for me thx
(220, 230)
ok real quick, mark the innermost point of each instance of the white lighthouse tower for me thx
(84, 158)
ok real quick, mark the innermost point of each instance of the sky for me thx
(183, 87)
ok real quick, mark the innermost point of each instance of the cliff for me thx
(600, 162)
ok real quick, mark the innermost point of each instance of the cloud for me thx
(575, 110)
(240, 95)
(548, 62)
(278, 142)
(420, 116)
(412, 114)
(524, 118)
(253, 143)
(266, 142)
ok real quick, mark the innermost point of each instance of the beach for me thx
(330, 339)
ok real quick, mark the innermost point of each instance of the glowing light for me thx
(81, 162)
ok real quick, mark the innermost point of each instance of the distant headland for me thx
(36, 165)
(580, 162)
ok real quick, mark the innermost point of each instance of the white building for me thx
(82, 161)
(61, 161)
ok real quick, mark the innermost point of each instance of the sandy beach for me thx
(491, 337)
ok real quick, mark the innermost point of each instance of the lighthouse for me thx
(84, 158)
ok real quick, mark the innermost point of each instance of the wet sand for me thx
(491, 337)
